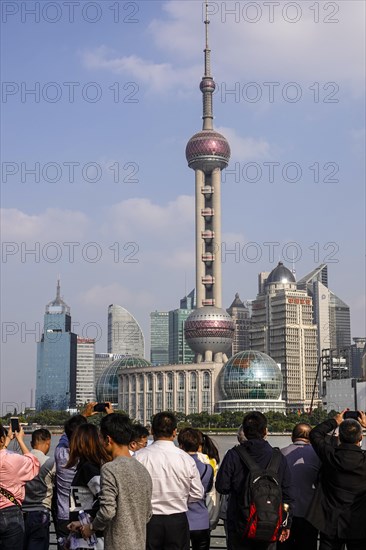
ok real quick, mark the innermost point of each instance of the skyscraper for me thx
(283, 327)
(315, 284)
(101, 362)
(56, 358)
(331, 314)
(85, 368)
(357, 351)
(159, 337)
(179, 351)
(340, 323)
(241, 317)
(125, 336)
(209, 329)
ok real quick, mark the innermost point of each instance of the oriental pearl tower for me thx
(209, 330)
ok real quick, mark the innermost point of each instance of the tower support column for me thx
(216, 204)
(200, 268)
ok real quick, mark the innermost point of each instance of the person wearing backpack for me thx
(258, 481)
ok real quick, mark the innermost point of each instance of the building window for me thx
(181, 402)
(149, 382)
(169, 401)
(159, 402)
(192, 402)
(160, 382)
(206, 381)
(193, 381)
(206, 401)
(170, 381)
(180, 382)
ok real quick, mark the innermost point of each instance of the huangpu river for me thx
(223, 442)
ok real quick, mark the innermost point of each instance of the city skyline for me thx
(128, 252)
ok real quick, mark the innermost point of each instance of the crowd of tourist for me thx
(113, 487)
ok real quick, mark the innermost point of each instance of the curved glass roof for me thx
(251, 375)
(107, 386)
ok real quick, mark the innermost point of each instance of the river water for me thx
(223, 442)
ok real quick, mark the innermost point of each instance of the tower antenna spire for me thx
(207, 48)
(58, 290)
(207, 85)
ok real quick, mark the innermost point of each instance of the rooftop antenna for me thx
(293, 265)
(58, 291)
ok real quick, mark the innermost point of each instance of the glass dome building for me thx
(250, 380)
(107, 385)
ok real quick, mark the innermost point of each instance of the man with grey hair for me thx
(339, 506)
(304, 465)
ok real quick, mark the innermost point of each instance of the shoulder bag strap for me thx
(274, 463)
(7, 494)
(204, 472)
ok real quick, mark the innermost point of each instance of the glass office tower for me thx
(56, 358)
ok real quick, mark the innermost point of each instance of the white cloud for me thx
(160, 77)
(53, 224)
(280, 51)
(139, 217)
(243, 149)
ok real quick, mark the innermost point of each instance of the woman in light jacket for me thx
(15, 470)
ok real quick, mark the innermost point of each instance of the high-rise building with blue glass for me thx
(159, 338)
(56, 358)
(179, 350)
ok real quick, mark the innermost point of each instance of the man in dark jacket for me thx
(232, 476)
(339, 507)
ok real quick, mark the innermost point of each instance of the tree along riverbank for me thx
(224, 423)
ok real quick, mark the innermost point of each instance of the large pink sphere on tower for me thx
(207, 150)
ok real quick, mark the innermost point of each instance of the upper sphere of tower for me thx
(209, 328)
(207, 84)
(207, 150)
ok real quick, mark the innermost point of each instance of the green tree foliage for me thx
(50, 418)
(277, 422)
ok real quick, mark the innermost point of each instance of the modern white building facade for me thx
(188, 389)
(85, 370)
(125, 336)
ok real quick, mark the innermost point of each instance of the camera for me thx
(14, 422)
(351, 414)
(100, 407)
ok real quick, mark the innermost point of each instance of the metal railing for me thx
(218, 539)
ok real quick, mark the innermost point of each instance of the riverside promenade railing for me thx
(218, 540)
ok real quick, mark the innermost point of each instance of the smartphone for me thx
(351, 414)
(14, 422)
(100, 407)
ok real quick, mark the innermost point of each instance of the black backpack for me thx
(260, 504)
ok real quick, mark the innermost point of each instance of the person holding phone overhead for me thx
(15, 470)
(64, 476)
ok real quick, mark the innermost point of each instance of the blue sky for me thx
(111, 207)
